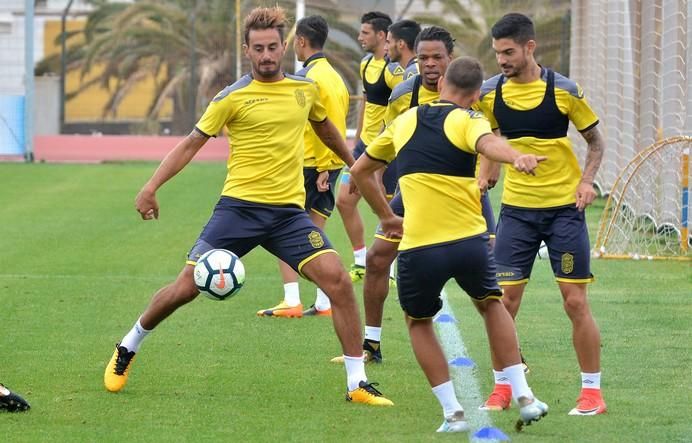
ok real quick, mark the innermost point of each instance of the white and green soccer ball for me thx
(219, 274)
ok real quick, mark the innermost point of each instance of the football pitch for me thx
(79, 266)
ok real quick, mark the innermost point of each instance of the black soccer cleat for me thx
(11, 402)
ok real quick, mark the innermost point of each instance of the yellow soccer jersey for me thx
(266, 124)
(379, 77)
(435, 147)
(334, 97)
(556, 180)
(401, 99)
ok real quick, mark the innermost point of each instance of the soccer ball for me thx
(219, 274)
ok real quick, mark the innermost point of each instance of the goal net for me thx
(634, 59)
(647, 212)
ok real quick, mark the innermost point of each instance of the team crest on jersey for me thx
(567, 263)
(316, 240)
(300, 97)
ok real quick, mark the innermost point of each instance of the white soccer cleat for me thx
(531, 412)
(454, 423)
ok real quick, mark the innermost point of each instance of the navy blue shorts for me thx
(321, 203)
(240, 226)
(424, 271)
(390, 176)
(519, 235)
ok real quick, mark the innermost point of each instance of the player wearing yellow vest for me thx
(379, 77)
(322, 166)
(444, 232)
(265, 113)
(434, 47)
(532, 106)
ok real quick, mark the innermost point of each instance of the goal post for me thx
(634, 61)
(647, 212)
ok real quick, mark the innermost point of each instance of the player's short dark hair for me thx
(314, 29)
(436, 33)
(515, 26)
(378, 20)
(266, 18)
(465, 73)
(406, 30)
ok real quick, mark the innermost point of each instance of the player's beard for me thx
(268, 70)
(516, 69)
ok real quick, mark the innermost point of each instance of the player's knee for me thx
(575, 305)
(377, 260)
(343, 204)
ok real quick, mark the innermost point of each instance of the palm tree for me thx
(177, 43)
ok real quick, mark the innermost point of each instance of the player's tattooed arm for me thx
(594, 153)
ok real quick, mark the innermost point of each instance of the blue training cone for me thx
(490, 433)
(462, 361)
(445, 318)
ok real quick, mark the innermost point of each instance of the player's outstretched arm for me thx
(174, 162)
(488, 173)
(594, 155)
(331, 137)
(497, 149)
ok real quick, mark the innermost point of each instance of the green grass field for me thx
(79, 266)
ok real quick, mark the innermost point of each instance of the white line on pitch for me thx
(465, 383)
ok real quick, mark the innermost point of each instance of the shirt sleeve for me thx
(396, 107)
(215, 117)
(318, 112)
(393, 76)
(464, 127)
(580, 112)
(382, 148)
(486, 107)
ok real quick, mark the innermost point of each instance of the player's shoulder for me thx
(411, 71)
(403, 88)
(241, 83)
(490, 84)
(395, 68)
(367, 57)
(298, 78)
(568, 85)
(303, 72)
(467, 113)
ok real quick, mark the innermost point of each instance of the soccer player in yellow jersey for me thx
(379, 77)
(322, 165)
(444, 233)
(532, 106)
(265, 113)
(434, 47)
(400, 46)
